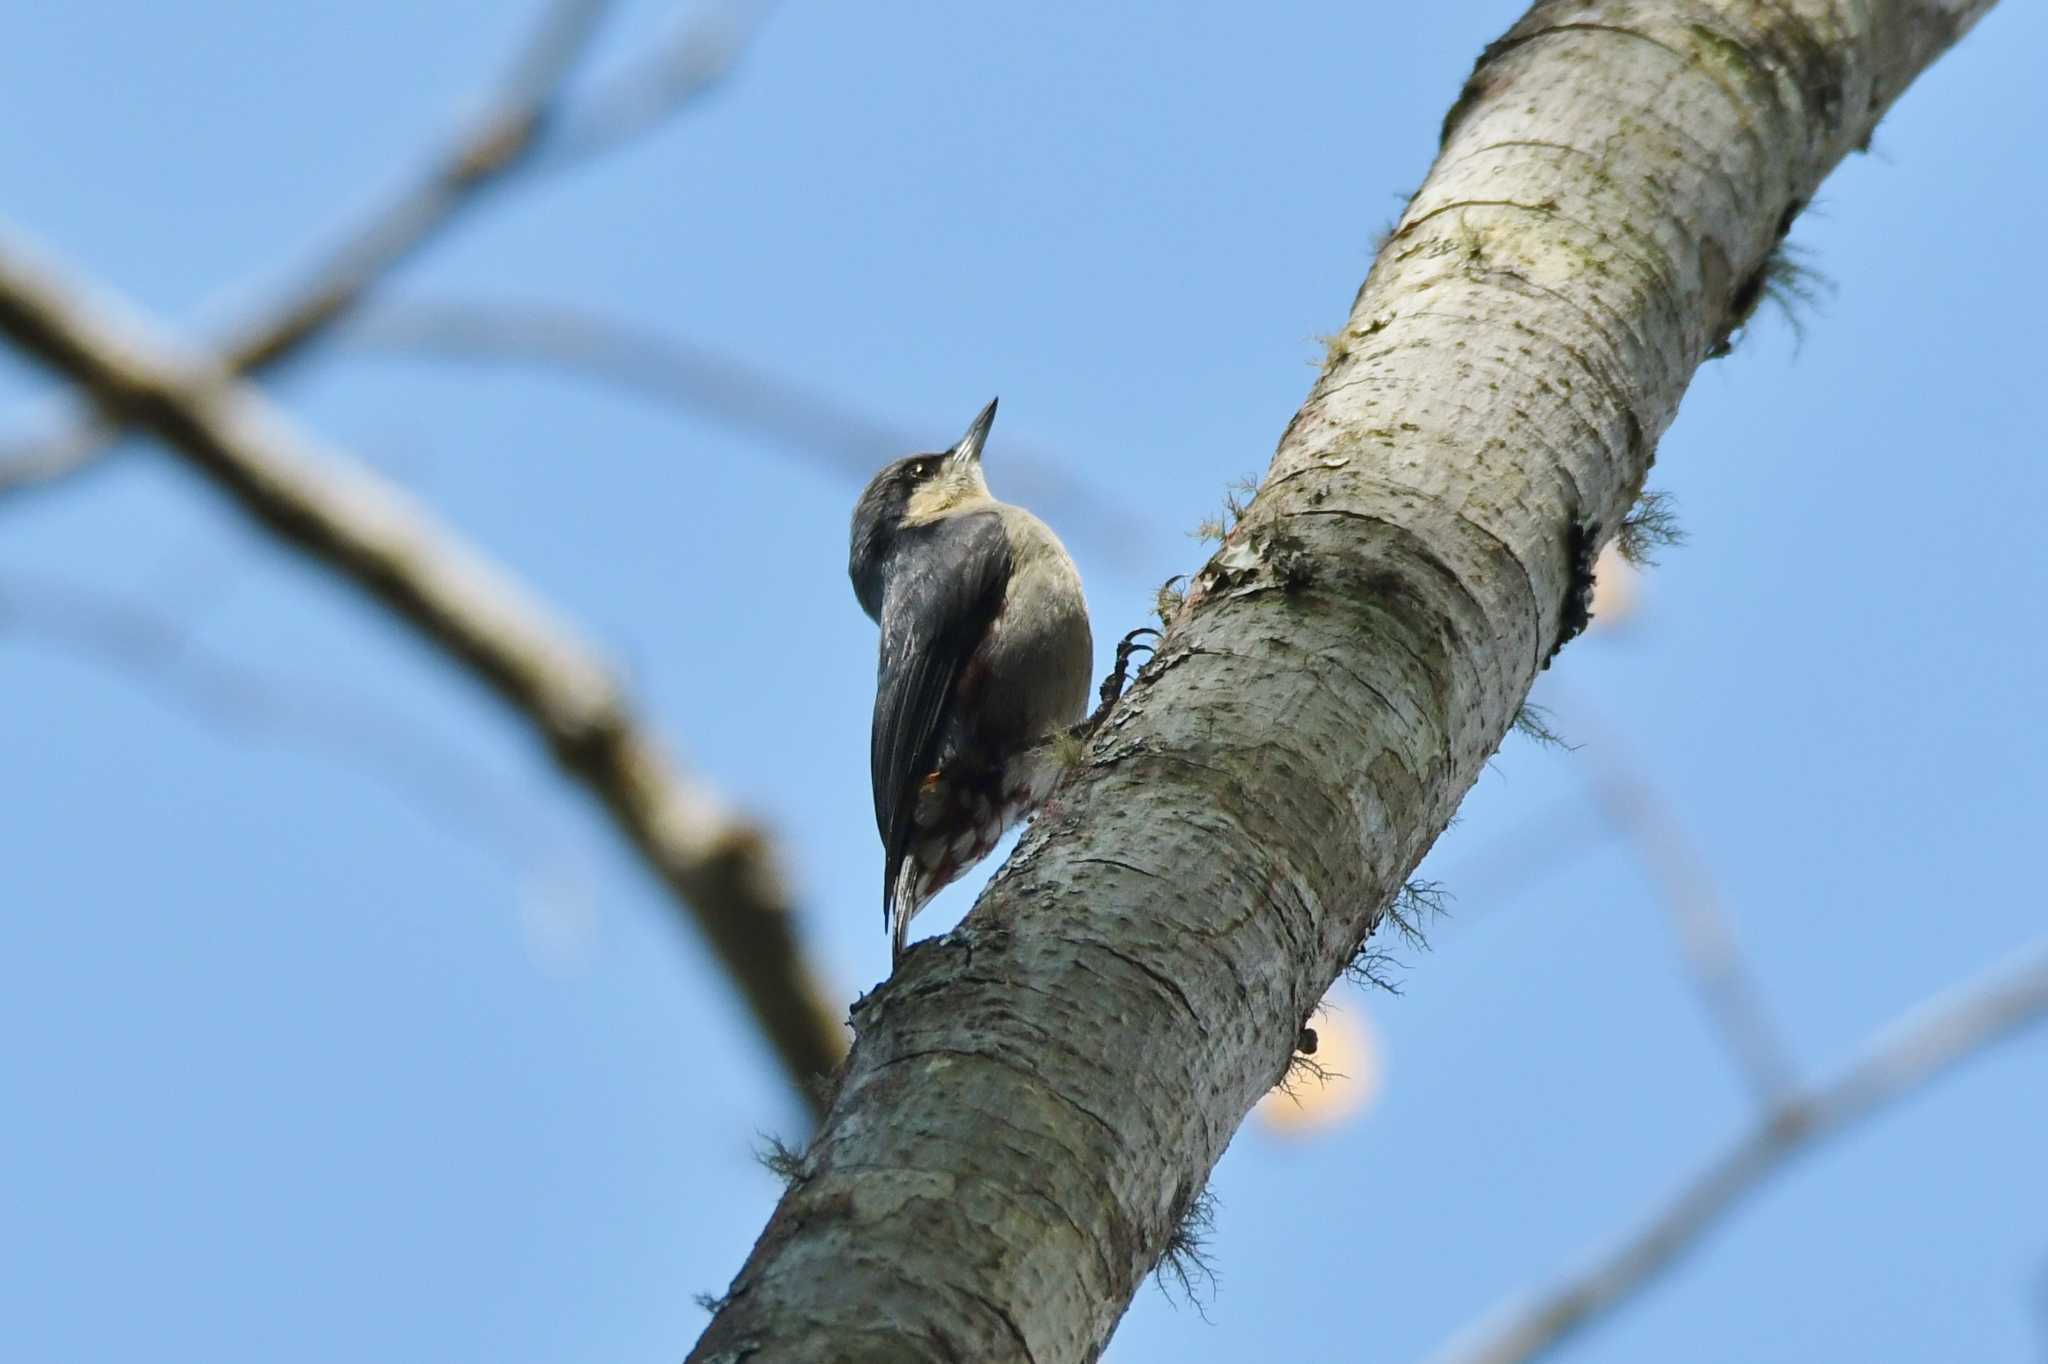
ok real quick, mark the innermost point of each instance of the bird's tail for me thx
(899, 907)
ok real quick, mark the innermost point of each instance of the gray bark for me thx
(1034, 1101)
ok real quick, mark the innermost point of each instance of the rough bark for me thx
(1034, 1101)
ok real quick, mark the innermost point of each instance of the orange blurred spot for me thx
(1329, 1088)
(1617, 589)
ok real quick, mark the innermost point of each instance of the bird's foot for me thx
(1119, 677)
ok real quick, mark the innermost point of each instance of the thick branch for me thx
(1910, 1054)
(331, 508)
(1034, 1101)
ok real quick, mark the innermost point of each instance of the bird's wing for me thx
(941, 596)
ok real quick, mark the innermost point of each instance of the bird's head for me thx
(914, 490)
(926, 487)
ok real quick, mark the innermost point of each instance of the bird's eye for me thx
(921, 470)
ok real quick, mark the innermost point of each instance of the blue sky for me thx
(341, 1030)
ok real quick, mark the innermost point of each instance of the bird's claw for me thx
(1119, 676)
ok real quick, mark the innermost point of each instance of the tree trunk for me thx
(1034, 1102)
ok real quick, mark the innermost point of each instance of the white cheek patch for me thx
(951, 489)
(925, 503)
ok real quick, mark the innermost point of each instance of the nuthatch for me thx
(985, 657)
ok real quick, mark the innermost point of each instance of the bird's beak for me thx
(968, 451)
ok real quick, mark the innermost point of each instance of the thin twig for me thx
(838, 436)
(656, 366)
(700, 53)
(233, 698)
(514, 132)
(39, 463)
(491, 147)
(1688, 894)
(1905, 1056)
(329, 507)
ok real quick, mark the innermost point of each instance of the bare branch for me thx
(1631, 805)
(1687, 893)
(232, 698)
(532, 87)
(1906, 1056)
(699, 55)
(37, 463)
(838, 437)
(659, 367)
(510, 135)
(332, 509)
(491, 147)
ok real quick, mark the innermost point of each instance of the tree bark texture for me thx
(1034, 1101)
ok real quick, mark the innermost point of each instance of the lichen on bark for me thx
(1034, 1100)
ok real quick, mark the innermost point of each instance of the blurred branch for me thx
(493, 146)
(652, 365)
(1633, 805)
(330, 508)
(698, 55)
(1722, 978)
(160, 655)
(1515, 859)
(838, 437)
(1909, 1054)
(517, 125)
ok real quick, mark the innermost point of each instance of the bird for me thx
(984, 661)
